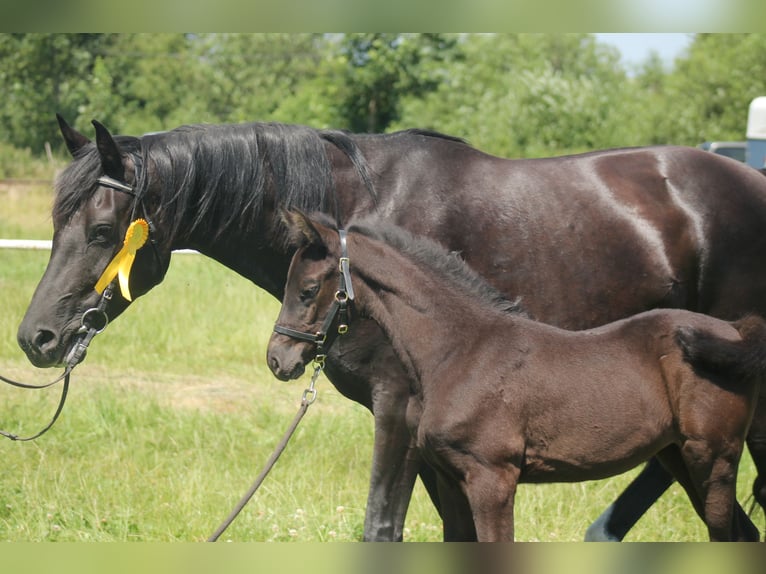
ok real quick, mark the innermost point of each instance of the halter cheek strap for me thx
(149, 232)
(343, 296)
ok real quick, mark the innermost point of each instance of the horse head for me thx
(100, 193)
(316, 300)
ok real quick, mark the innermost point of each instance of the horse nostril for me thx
(274, 364)
(43, 338)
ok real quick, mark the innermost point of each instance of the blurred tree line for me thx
(516, 95)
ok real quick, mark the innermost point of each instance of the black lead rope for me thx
(94, 321)
(62, 400)
(309, 396)
(339, 307)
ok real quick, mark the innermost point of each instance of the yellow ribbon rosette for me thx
(135, 237)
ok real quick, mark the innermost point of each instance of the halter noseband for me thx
(339, 307)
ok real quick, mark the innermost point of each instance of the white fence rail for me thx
(36, 244)
(45, 245)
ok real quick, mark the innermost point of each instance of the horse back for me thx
(591, 238)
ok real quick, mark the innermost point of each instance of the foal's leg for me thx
(456, 513)
(742, 527)
(491, 492)
(709, 476)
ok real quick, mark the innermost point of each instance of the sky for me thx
(635, 48)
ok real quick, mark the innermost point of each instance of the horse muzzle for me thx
(43, 346)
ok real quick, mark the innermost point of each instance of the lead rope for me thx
(343, 295)
(309, 396)
(76, 355)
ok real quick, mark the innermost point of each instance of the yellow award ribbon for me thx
(135, 237)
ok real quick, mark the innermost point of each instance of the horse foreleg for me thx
(615, 522)
(491, 493)
(456, 513)
(395, 465)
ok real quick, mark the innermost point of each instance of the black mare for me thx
(583, 239)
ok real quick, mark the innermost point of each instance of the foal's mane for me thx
(213, 176)
(426, 253)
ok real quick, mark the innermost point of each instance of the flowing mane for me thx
(219, 173)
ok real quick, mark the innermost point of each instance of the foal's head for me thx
(311, 296)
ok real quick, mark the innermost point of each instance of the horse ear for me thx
(301, 230)
(74, 140)
(111, 157)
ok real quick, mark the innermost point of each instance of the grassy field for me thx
(174, 411)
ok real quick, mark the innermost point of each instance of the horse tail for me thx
(743, 359)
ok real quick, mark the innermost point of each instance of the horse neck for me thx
(423, 314)
(254, 249)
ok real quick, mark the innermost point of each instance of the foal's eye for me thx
(309, 293)
(100, 234)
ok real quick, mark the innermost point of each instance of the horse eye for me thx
(100, 234)
(309, 293)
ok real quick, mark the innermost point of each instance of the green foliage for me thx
(708, 95)
(526, 95)
(517, 95)
(41, 74)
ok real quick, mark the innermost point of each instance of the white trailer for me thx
(756, 133)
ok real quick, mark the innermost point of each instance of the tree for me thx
(148, 82)
(525, 95)
(252, 74)
(363, 78)
(40, 74)
(708, 93)
(382, 68)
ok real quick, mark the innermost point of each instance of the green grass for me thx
(174, 411)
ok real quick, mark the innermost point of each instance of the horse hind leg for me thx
(709, 480)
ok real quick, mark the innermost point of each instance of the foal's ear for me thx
(74, 140)
(301, 230)
(111, 157)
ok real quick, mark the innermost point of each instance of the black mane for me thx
(207, 178)
(427, 253)
(214, 176)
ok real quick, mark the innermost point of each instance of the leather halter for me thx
(339, 307)
(93, 321)
(138, 194)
